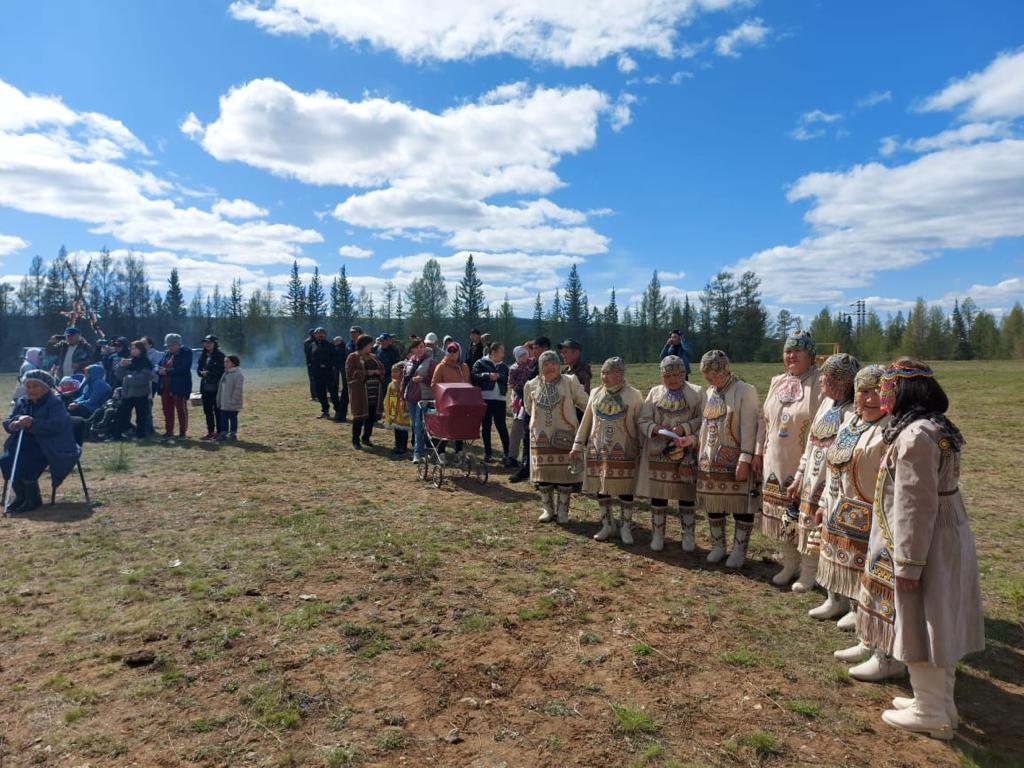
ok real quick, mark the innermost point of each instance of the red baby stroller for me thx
(456, 414)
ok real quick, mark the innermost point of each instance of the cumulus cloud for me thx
(566, 33)
(751, 33)
(965, 134)
(10, 244)
(873, 99)
(238, 209)
(57, 162)
(626, 63)
(354, 252)
(995, 92)
(428, 174)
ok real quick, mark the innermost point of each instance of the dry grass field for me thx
(286, 601)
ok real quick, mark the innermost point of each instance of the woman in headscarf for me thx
(33, 361)
(521, 371)
(728, 438)
(551, 401)
(837, 374)
(921, 588)
(47, 441)
(792, 401)
(852, 463)
(668, 466)
(364, 374)
(609, 441)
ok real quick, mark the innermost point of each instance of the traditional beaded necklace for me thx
(828, 425)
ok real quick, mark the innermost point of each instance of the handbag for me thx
(195, 399)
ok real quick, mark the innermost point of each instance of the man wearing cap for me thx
(72, 354)
(677, 347)
(387, 354)
(211, 369)
(572, 356)
(323, 358)
(476, 348)
(48, 441)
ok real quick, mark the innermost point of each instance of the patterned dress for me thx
(811, 472)
(610, 435)
(789, 409)
(728, 435)
(553, 425)
(853, 461)
(920, 531)
(664, 472)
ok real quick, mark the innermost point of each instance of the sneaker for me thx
(166, 437)
(233, 436)
(417, 459)
(220, 438)
(520, 476)
(324, 415)
(209, 436)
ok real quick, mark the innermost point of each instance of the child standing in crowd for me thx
(229, 398)
(396, 410)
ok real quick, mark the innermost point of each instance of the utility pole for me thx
(860, 309)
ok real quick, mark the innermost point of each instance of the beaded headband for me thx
(890, 380)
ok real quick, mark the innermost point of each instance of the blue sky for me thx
(840, 150)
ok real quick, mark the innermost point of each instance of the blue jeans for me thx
(419, 435)
(228, 421)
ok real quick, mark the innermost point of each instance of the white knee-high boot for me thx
(626, 525)
(834, 605)
(904, 702)
(657, 529)
(928, 712)
(547, 504)
(562, 507)
(808, 571)
(608, 527)
(688, 521)
(716, 527)
(790, 564)
(740, 540)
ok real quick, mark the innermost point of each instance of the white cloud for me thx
(809, 126)
(10, 244)
(626, 63)
(751, 32)
(428, 174)
(238, 209)
(191, 126)
(52, 164)
(888, 146)
(678, 77)
(874, 218)
(995, 92)
(565, 33)
(965, 134)
(874, 98)
(671, 275)
(354, 252)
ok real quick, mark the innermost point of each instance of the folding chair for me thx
(80, 427)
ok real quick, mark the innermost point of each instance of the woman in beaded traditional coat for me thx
(609, 439)
(728, 436)
(789, 407)
(921, 592)
(845, 506)
(551, 400)
(668, 468)
(837, 374)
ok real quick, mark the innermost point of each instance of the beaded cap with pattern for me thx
(673, 364)
(614, 365)
(800, 340)
(714, 360)
(868, 377)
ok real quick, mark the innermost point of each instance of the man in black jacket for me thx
(306, 346)
(322, 356)
(676, 346)
(387, 354)
(476, 348)
(211, 368)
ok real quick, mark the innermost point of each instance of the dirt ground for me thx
(287, 601)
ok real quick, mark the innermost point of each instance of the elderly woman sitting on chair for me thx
(40, 436)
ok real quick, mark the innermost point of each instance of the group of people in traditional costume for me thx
(857, 469)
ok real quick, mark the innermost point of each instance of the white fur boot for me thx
(547, 504)
(688, 520)
(854, 654)
(716, 528)
(740, 540)
(564, 495)
(626, 526)
(928, 713)
(808, 570)
(905, 702)
(657, 529)
(608, 527)
(879, 667)
(790, 564)
(834, 605)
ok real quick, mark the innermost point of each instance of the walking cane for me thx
(14, 468)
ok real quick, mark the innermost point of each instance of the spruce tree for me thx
(295, 298)
(468, 306)
(316, 304)
(174, 299)
(538, 318)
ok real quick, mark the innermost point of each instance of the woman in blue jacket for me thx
(93, 394)
(48, 441)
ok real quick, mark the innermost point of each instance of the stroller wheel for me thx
(469, 463)
(438, 476)
(423, 470)
(482, 472)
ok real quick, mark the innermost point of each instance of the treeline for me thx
(267, 329)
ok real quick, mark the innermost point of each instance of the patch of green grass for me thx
(611, 579)
(476, 622)
(641, 649)
(631, 720)
(532, 614)
(272, 707)
(364, 642)
(762, 743)
(740, 657)
(306, 616)
(73, 715)
(555, 742)
(809, 709)
(589, 638)
(389, 739)
(200, 725)
(653, 751)
(117, 462)
(343, 757)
